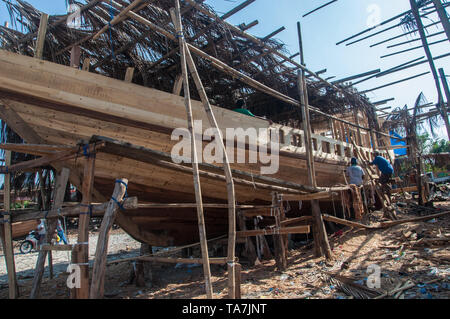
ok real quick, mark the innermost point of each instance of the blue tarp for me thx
(395, 142)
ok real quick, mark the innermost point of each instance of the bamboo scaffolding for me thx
(380, 24)
(402, 35)
(317, 9)
(228, 177)
(412, 49)
(176, 17)
(396, 82)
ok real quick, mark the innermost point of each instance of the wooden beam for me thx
(73, 211)
(60, 186)
(86, 64)
(80, 254)
(39, 50)
(129, 75)
(56, 247)
(98, 273)
(75, 55)
(178, 85)
(8, 248)
(274, 231)
(217, 261)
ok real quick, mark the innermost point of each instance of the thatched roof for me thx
(131, 43)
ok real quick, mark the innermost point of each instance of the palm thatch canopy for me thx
(156, 59)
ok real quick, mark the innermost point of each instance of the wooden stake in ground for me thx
(60, 187)
(176, 16)
(98, 273)
(80, 253)
(6, 235)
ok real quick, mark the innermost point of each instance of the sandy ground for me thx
(394, 250)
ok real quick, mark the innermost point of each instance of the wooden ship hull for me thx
(48, 103)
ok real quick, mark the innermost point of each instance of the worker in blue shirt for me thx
(386, 170)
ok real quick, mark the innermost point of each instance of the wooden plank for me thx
(274, 231)
(217, 261)
(73, 211)
(86, 64)
(346, 222)
(75, 54)
(56, 247)
(129, 75)
(98, 273)
(8, 244)
(38, 53)
(320, 195)
(60, 186)
(178, 85)
(80, 254)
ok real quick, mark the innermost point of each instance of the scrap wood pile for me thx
(156, 58)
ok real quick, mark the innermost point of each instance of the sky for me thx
(323, 29)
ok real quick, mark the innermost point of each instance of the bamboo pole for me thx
(8, 248)
(226, 167)
(117, 19)
(321, 244)
(446, 87)
(176, 17)
(442, 16)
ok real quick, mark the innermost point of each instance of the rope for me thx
(89, 212)
(86, 151)
(179, 35)
(126, 187)
(118, 203)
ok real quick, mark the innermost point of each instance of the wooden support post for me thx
(374, 140)
(238, 280)
(8, 248)
(44, 207)
(142, 269)
(39, 50)
(75, 55)
(278, 240)
(98, 273)
(86, 64)
(358, 130)
(249, 247)
(129, 75)
(176, 17)
(321, 244)
(60, 187)
(80, 253)
(178, 85)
